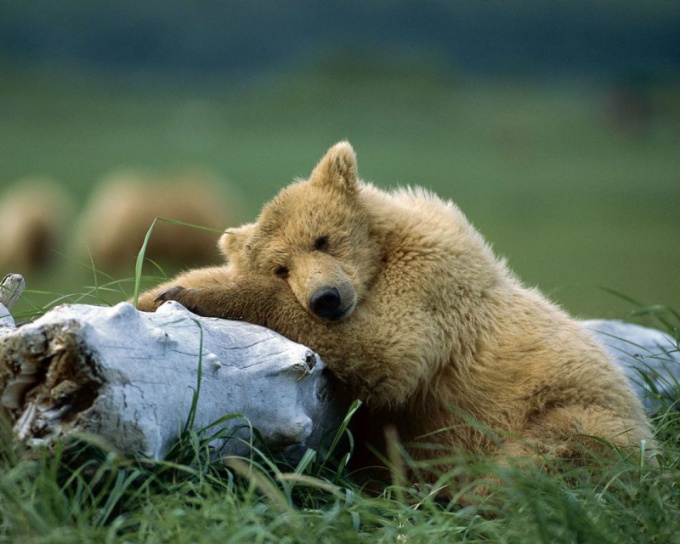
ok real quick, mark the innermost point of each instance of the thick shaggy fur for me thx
(431, 328)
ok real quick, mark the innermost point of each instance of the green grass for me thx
(573, 204)
(79, 491)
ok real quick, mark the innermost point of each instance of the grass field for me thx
(573, 203)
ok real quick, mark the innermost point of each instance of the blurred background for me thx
(554, 125)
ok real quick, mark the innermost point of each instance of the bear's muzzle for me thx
(326, 303)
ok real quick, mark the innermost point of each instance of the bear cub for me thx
(410, 309)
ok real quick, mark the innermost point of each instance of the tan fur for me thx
(124, 205)
(438, 331)
(33, 216)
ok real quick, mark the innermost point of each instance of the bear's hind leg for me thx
(579, 433)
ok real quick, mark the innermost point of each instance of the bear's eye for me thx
(321, 243)
(281, 272)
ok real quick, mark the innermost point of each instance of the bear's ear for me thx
(235, 240)
(338, 169)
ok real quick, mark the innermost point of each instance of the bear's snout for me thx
(326, 303)
(322, 286)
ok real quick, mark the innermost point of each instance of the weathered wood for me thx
(649, 357)
(130, 378)
(11, 288)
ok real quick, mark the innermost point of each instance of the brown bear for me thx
(34, 215)
(409, 307)
(124, 204)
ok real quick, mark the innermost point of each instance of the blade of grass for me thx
(139, 263)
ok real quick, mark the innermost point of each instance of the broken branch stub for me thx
(135, 379)
(11, 288)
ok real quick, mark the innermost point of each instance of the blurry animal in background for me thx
(123, 206)
(33, 217)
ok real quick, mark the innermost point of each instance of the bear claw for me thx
(169, 294)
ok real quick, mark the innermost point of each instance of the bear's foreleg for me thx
(149, 301)
(216, 292)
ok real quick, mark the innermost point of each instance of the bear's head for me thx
(315, 235)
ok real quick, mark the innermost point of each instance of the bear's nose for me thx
(326, 303)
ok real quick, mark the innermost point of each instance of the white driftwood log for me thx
(129, 377)
(650, 359)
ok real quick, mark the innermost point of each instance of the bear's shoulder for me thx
(417, 216)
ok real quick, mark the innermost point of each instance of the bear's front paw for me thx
(186, 297)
